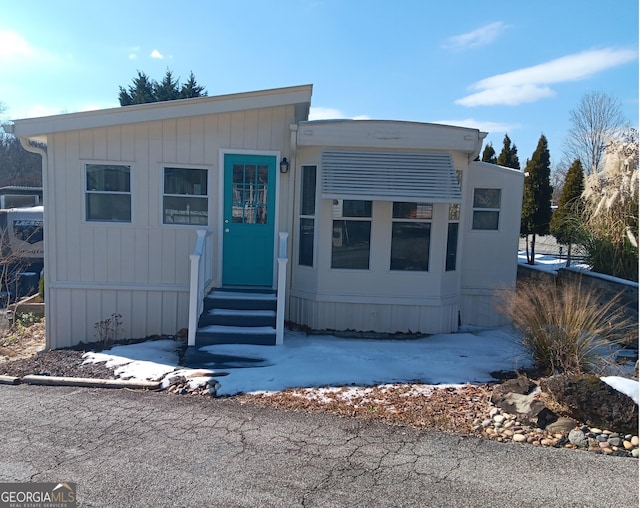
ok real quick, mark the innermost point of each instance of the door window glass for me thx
(249, 194)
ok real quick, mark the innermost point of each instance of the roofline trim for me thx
(166, 110)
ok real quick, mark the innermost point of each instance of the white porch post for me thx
(282, 287)
(196, 286)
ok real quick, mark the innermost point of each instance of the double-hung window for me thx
(351, 240)
(486, 208)
(185, 199)
(307, 216)
(108, 192)
(411, 236)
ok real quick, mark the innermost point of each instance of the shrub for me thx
(567, 328)
(108, 330)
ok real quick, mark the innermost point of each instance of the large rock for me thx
(517, 397)
(519, 385)
(591, 401)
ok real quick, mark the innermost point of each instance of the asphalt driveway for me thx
(133, 449)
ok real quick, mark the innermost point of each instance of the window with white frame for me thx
(351, 241)
(486, 209)
(411, 236)
(108, 192)
(185, 199)
(307, 216)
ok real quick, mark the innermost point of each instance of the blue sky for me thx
(503, 67)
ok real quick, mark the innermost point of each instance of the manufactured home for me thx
(232, 215)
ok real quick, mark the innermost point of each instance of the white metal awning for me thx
(389, 176)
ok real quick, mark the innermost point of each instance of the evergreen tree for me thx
(145, 89)
(489, 154)
(141, 92)
(509, 155)
(565, 221)
(167, 89)
(192, 89)
(536, 202)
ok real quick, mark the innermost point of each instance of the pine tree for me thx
(489, 154)
(509, 155)
(167, 89)
(145, 89)
(565, 221)
(536, 201)
(141, 92)
(192, 89)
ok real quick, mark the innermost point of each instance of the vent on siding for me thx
(391, 176)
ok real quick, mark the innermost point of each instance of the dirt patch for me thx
(449, 409)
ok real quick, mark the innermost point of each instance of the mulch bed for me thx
(62, 362)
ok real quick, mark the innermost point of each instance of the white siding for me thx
(144, 313)
(141, 269)
(489, 259)
(376, 299)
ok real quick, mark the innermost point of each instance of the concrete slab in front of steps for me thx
(196, 357)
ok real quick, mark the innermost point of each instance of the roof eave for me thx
(32, 127)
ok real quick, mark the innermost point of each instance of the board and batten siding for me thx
(139, 270)
(375, 299)
(489, 259)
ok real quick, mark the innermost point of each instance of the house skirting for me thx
(73, 312)
(481, 307)
(383, 317)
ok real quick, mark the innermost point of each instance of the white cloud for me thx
(133, 52)
(331, 114)
(483, 126)
(530, 84)
(14, 46)
(478, 37)
(507, 95)
(156, 54)
(15, 50)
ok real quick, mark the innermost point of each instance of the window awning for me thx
(389, 176)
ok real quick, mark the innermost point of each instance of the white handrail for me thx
(282, 287)
(196, 284)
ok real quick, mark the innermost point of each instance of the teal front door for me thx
(249, 219)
